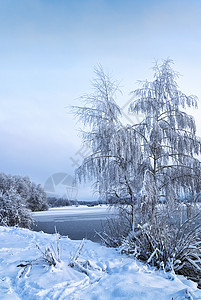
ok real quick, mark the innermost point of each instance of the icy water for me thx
(76, 223)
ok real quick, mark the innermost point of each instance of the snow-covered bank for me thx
(111, 275)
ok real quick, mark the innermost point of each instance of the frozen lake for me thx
(75, 222)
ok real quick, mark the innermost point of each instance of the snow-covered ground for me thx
(109, 274)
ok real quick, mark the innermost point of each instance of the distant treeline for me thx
(58, 202)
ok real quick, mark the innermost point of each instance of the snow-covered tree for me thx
(37, 199)
(101, 115)
(154, 160)
(12, 210)
(17, 195)
(112, 163)
(169, 146)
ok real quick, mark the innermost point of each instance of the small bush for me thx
(170, 241)
(13, 212)
(50, 256)
(167, 246)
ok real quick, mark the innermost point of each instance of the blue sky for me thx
(47, 54)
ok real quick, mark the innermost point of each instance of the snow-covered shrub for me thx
(31, 195)
(114, 230)
(37, 199)
(172, 243)
(17, 196)
(12, 211)
(169, 246)
(51, 255)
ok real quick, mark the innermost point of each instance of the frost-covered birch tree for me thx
(142, 165)
(168, 141)
(112, 164)
(101, 117)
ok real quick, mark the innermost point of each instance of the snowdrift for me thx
(103, 272)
